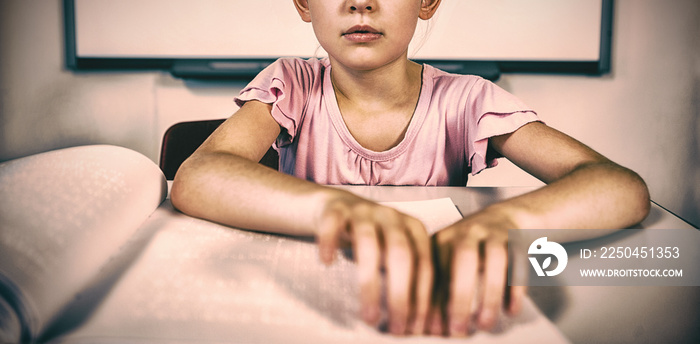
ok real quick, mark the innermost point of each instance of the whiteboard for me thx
(164, 31)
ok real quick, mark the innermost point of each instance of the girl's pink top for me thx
(446, 139)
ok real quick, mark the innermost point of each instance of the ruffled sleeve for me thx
(285, 84)
(493, 112)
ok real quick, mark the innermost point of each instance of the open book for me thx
(92, 251)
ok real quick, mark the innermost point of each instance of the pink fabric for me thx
(446, 139)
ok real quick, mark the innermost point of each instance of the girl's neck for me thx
(391, 86)
(377, 105)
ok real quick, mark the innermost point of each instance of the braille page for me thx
(200, 282)
(62, 215)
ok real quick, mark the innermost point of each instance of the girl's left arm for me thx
(584, 190)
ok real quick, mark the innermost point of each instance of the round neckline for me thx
(417, 119)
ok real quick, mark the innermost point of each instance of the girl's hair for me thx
(420, 36)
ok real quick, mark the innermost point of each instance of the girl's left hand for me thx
(471, 267)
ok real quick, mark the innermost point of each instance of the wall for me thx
(643, 115)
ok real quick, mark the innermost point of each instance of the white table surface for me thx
(646, 314)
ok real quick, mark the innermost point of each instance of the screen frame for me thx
(246, 68)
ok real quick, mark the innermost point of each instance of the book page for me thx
(201, 282)
(62, 215)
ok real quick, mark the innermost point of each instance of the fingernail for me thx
(486, 319)
(458, 328)
(418, 327)
(370, 315)
(514, 308)
(327, 256)
(436, 327)
(397, 327)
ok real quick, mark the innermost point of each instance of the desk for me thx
(198, 281)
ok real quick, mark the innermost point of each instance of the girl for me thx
(369, 115)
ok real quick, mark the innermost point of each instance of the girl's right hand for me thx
(382, 239)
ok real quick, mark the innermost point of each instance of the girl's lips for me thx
(362, 34)
(362, 37)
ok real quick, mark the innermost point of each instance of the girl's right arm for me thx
(222, 182)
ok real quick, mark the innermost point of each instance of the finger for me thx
(463, 285)
(495, 272)
(518, 278)
(399, 263)
(333, 223)
(367, 253)
(516, 295)
(424, 275)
